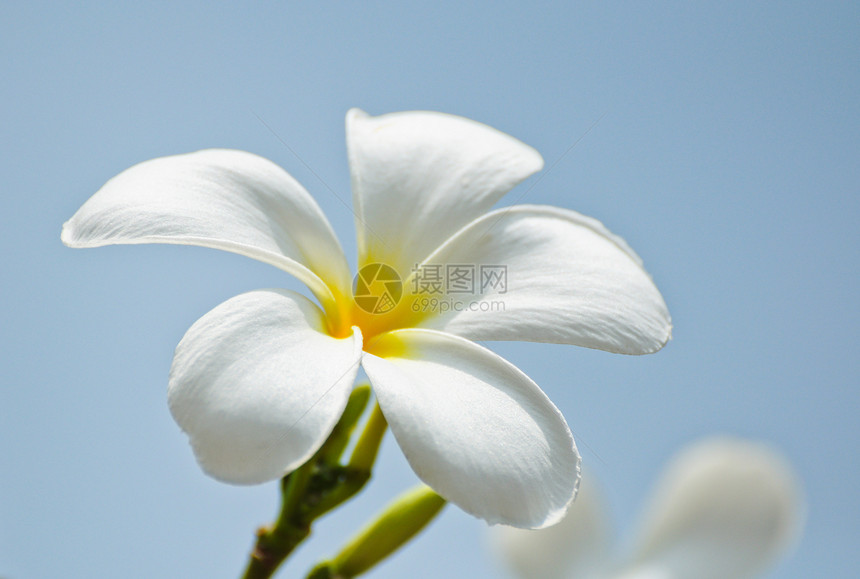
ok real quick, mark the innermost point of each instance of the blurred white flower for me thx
(259, 382)
(724, 509)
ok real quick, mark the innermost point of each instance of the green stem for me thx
(339, 437)
(357, 472)
(275, 544)
(399, 522)
(364, 453)
(318, 486)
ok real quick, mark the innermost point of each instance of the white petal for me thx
(724, 509)
(258, 385)
(224, 199)
(417, 177)
(569, 280)
(475, 428)
(578, 546)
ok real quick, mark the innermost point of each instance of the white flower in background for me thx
(724, 509)
(259, 382)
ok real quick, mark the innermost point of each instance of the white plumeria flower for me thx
(724, 509)
(259, 382)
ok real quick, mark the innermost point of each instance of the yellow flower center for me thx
(380, 302)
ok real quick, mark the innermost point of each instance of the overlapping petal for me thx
(258, 385)
(575, 548)
(474, 427)
(417, 177)
(224, 199)
(724, 510)
(569, 280)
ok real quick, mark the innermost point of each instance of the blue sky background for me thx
(725, 151)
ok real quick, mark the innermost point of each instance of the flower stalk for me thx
(319, 485)
(401, 520)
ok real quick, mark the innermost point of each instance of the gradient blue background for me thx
(725, 151)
